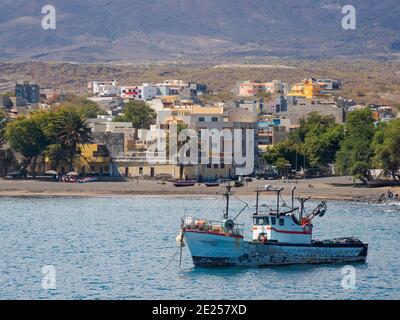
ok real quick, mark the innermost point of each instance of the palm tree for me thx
(70, 129)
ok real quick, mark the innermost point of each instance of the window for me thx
(140, 170)
(201, 119)
(105, 168)
(216, 166)
(281, 222)
(222, 165)
(260, 221)
(214, 119)
(273, 220)
(266, 220)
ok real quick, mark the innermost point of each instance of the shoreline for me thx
(332, 188)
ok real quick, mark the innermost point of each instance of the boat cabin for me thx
(276, 225)
(282, 228)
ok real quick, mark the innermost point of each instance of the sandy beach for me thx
(333, 188)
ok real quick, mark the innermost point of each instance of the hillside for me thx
(365, 80)
(138, 30)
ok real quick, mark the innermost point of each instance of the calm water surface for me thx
(118, 248)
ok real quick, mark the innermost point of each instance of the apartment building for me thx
(26, 91)
(250, 88)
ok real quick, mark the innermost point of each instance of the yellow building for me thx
(308, 89)
(94, 160)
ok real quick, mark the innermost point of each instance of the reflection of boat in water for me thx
(184, 183)
(279, 238)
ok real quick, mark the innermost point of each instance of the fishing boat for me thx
(279, 237)
(184, 183)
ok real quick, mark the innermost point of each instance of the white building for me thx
(142, 93)
(102, 88)
(171, 87)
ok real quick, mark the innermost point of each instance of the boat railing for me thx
(214, 226)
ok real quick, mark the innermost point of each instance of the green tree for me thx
(3, 120)
(70, 129)
(321, 141)
(139, 113)
(265, 95)
(87, 108)
(26, 136)
(280, 165)
(57, 155)
(284, 150)
(9, 94)
(317, 140)
(386, 146)
(355, 154)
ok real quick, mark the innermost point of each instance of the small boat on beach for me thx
(184, 183)
(87, 179)
(212, 184)
(239, 184)
(279, 237)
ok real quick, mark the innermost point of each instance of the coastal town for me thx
(198, 158)
(120, 123)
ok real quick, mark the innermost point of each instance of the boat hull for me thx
(217, 250)
(184, 183)
(212, 184)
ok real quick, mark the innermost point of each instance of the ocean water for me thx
(119, 248)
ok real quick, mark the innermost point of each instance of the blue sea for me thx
(124, 248)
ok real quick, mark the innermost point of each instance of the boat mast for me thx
(302, 202)
(258, 194)
(227, 193)
(278, 192)
(293, 189)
